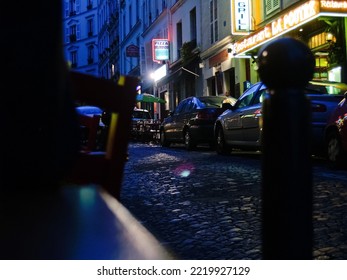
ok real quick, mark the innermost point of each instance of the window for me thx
(271, 5)
(73, 33)
(74, 7)
(90, 27)
(67, 8)
(73, 59)
(89, 4)
(189, 106)
(137, 5)
(130, 17)
(247, 97)
(213, 21)
(180, 108)
(90, 54)
(179, 38)
(124, 27)
(193, 31)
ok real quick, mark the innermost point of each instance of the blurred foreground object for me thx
(285, 66)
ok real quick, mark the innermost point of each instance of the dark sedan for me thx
(192, 121)
(336, 135)
(241, 125)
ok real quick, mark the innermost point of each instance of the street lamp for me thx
(158, 74)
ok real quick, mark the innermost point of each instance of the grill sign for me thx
(241, 17)
(160, 48)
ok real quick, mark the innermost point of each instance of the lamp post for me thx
(158, 74)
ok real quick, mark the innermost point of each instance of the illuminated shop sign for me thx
(160, 73)
(333, 6)
(160, 49)
(240, 17)
(288, 21)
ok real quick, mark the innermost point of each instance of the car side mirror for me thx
(227, 106)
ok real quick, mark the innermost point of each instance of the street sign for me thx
(132, 51)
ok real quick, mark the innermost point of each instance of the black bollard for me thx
(285, 66)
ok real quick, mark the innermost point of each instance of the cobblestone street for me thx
(203, 206)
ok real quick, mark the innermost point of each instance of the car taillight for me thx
(206, 115)
(318, 107)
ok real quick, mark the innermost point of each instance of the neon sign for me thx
(160, 49)
(288, 21)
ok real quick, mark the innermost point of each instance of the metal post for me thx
(285, 66)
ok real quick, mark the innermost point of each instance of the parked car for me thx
(336, 135)
(192, 121)
(239, 126)
(144, 127)
(329, 87)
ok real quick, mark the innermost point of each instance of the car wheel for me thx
(335, 153)
(163, 140)
(221, 147)
(188, 141)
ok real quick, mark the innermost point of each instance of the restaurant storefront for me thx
(320, 24)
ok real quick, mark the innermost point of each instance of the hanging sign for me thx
(132, 51)
(241, 23)
(160, 49)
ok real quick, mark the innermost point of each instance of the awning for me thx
(177, 75)
(149, 98)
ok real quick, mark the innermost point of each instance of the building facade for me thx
(183, 76)
(210, 47)
(80, 27)
(319, 24)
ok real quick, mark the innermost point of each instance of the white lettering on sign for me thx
(161, 43)
(279, 26)
(294, 17)
(334, 4)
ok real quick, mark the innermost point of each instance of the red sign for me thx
(132, 51)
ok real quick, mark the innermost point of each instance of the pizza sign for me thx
(160, 49)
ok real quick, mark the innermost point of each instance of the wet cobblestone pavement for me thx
(203, 206)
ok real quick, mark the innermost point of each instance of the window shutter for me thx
(78, 6)
(66, 9)
(271, 5)
(67, 35)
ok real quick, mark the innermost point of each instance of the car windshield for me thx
(141, 115)
(211, 101)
